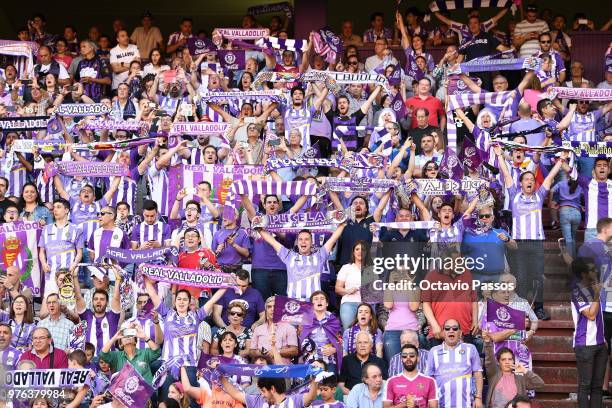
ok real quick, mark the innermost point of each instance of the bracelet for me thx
(476, 396)
(155, 321)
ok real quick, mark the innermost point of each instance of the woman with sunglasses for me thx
(243, 335)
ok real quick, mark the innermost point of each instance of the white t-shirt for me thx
(63, 74)
(532, 46)
(351, 275)
(125, 55)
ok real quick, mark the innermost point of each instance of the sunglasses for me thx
(353, 62)
(408, 355)
(544, 42)
(481, 216)
(104, 213)
(239, 314)
(431, 168)
(451, 328)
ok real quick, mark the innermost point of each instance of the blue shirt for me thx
(359, 397)
(566, 197)
(488, 248)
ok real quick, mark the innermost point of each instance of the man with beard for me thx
(171, 95)
(411, 388)
(396, 363)
(341, 117)
(546, 47)
(101, 325)
(453, 364)
(9, 355)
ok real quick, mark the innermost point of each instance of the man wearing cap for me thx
(147, 37)
(528, 31)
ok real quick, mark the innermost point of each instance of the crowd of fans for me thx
(405, 348)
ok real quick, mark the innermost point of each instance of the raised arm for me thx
(402, 28)
(547, 183)
(503, 167)
(368, 103)
(226, 116)
(468, 123)
(271, 240)
(329, 245)
(498, 16)
(59, 187)
(233, 391)
(565, 122)
(420, 205)
(525, 81)
(208, 306)
(152, 292)
(381, 206)
(471, 84)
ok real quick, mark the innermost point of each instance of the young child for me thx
(77, 361)
(327, 393)
(90, 351)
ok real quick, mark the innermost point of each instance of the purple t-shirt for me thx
(251, 299)
(181, 333)
(229, 256)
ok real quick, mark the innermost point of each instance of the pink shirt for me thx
(421, 387)
(286, 335)
(401, 317)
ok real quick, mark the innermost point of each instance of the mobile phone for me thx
(583, 21)
(152, 105)
(11, 108)
(27, 82)
(186, 110)
(274, 142)
(74, 88)
(128, 332)
(160, 112)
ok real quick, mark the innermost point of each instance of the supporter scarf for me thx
(23, 49)
(115, 145)
(23, 123)
(327, 44)
(342, 131)
(413, 225)
(433, 187)
(520, 133)
(445, 5)
(130, 256)
(77, 336)
(270, 371)
(173, 366)
(332, 328)
(188, 277)
(82, 109)
(85, 168)
(130, 389)
(590, 94)
(456, 86)
(504, 316)
(358, 185)
(54, 125)
(469, 155)
(46, 378)
(348, 78)
(199, 128)
(274, 164)
(284, 77)
(450, 165)
(273, 96)
(49, 146)
(282, 44)
(350, 343)
(590, 149)
(318, 220)
(294, 312)
(510, 145)
(207, 367)
(412, 69)
(468, 99)
(284, 6)
(505, 64)
(242, 33)
(110, 124)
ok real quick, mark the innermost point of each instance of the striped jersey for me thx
(86, 215)
(102, 239)
(586, 332)
(181, 333)
(158, 231)
(148, 327)
(159, 187)
(9, 357)
(299, 119)
(582, 127)
(527, 213)
(100, 329)
(452, 369)
(597, 196)
(303, 271)
(61, 244)
(448, 235)
(464, 33)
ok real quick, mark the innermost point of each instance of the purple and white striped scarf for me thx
(188, 277)
(48, 146)
(456, 86)
(358, 185)
(284, 6)
(275, 164)
(468, 99)
(109, 124)
(282, 44)
(489, 65)
(242, 33)
(590, 94)
(445, 5)
(274, 96)
(318, 220)
(199, 128)
(86, 168)
(590, 149)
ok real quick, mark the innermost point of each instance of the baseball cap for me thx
(532, 7)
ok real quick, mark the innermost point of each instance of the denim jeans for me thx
(193, 380)
(591, 362)
(84, 275)
(391, 343)
(569, 218)
(269, 282)
(348, 311)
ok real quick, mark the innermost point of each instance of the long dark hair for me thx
(38, 199)
(233, 336)
(373, 325)
(366, 259)
(573, 185)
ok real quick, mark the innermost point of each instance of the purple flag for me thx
(396, 76)
(456, 86)
(129, 388)
(469, 155)
(292, 311)
(207, 366)
(398, 106)
(412, 68)
(504, 316)
(197, 46)
(450, 165)
(232, 59)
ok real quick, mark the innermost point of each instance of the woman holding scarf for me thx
(324, 332)
(180, 329)
(364, 321)
(230, 348)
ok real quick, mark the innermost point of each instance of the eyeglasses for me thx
(239, 314)
(104, 213)
(481, 216)
(353, 62)
(545, 42)
(408, 355)
(451, 328)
